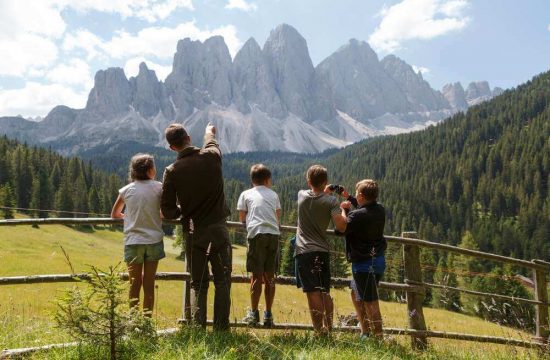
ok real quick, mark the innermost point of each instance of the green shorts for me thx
(140, 253)
(263, 254)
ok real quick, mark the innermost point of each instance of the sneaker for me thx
(268, 319)
(364, 336)
(252, 318)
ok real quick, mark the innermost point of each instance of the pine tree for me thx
(94, 204)
(63, 198)
(287, 264)
(35, 196)
(428, 261)
(7, 201)
(446, 298)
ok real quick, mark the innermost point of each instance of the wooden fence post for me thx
(413, 273)
(187, 288)
(541, 311)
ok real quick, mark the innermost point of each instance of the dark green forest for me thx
(39, 178)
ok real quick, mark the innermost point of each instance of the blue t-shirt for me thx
(376, 265)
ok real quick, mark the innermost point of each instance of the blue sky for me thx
(51, 49)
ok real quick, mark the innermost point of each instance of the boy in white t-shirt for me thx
(260, 209)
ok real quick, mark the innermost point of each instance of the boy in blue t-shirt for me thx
(365, 247)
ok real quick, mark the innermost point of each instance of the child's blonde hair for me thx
(368, 188)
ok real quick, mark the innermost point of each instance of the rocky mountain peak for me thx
(200, 75)
(418, 92)
(146, 91)
(358, 83)
(360, 50)
(455, 95)
(111, 93)
(478, 89)
(253, 81)
(288, 59)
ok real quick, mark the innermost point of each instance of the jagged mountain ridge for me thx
(269, 98)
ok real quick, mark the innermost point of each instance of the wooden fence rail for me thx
(413, 287)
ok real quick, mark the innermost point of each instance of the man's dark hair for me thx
(317, 175)
(259, 174)
(176, 135)
(139, 166)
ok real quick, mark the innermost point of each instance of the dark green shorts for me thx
(140, 253)
(263, 254)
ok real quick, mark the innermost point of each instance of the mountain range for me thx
(269, 98)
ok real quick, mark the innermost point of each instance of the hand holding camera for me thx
(336, 188)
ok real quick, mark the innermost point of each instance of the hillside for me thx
(25, 310)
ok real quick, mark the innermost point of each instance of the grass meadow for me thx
(26, 310)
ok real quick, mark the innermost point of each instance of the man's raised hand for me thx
(210, 129)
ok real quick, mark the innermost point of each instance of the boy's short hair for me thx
(259, 174)
(140, 164)
(176, 135)
(368, 188)
(317, 176)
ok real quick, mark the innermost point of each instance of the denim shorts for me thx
(140, 253)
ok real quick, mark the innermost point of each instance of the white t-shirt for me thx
(260, 204)
(142, 222)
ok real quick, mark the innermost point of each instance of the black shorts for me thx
(365, 286)
(314, 271)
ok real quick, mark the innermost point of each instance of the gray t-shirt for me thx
(260, 204)
(314, 214)
(142, 222)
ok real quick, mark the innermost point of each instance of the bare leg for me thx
(361, 315)
(328, 311)
(135, 275)
(269, 281)
(149, 272)
(375, 317)
(255, 290)
(316, 309)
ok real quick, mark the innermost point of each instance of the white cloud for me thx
(131, 68)
(156, 42)
(36, 99)
(418, 19)
(423, 70)
(84, 40)
(26, 54)
(74, 72)
(28, 30)
(241, 5)
(150, 10)
(548, 27)
(38, 17)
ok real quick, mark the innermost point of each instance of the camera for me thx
(336, 188)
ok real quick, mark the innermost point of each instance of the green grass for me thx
(25, 310)
(199, 344)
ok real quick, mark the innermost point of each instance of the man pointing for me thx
(195, 182)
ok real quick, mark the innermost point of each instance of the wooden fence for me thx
(414, 287)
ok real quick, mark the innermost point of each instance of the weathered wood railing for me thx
(413, 286)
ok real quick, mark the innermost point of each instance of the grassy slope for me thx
(25, 310)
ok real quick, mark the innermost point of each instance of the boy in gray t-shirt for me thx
(260, 210)
(316, 208)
